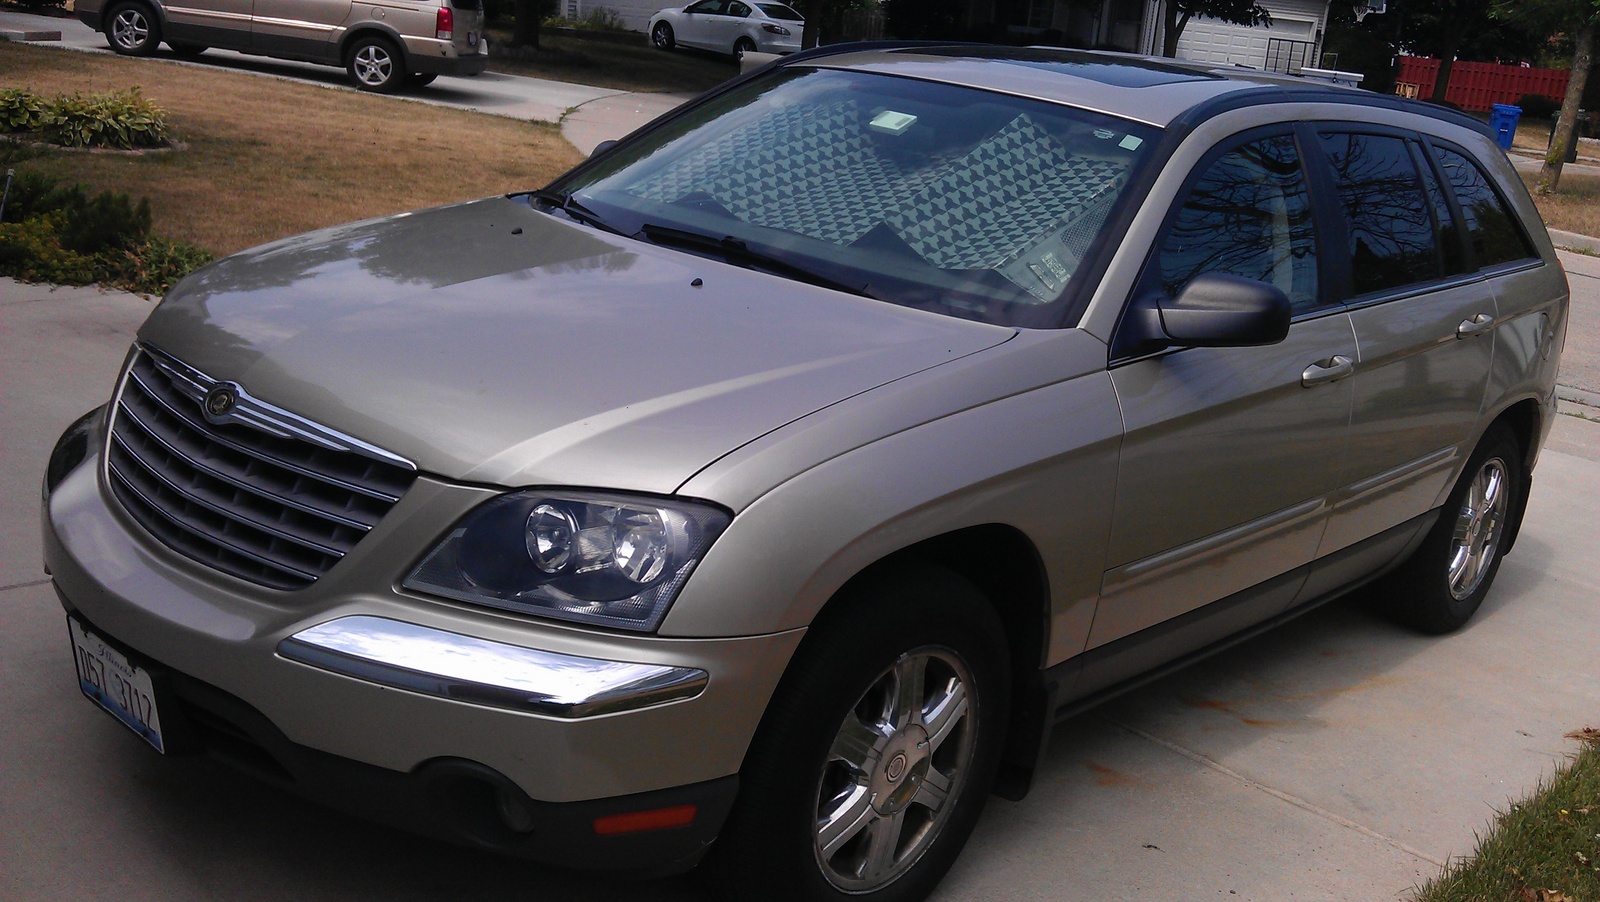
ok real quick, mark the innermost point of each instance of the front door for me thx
(1228, 455)
(210, 23)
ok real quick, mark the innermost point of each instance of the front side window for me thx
(948, 198)
(1247, 215)
(1490, 224)
(1391, 229)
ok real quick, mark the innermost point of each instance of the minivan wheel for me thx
(420, 79)
(187, 51)
(375, 64)
(876, 754)
(1440, 588)
(661, 36)
(132, 29)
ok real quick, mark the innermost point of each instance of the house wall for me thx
(1215, 41)
(635, 13)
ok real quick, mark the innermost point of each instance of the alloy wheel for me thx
(899, 760)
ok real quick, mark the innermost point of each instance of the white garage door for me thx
(1215, 41)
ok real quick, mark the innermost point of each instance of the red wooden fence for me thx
(1478, 86)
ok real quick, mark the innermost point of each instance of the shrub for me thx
(30, 250)
(42, 4)
(600, 19)
(105, 222)
(61, 234)
(1538, 106)
(20, 110)
(122, 119)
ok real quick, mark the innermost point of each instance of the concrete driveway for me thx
(1337, 758)
(588, 115)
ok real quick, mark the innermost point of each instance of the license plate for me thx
(111, 681)
(472, 39)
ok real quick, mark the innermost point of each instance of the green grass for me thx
(1545, 848)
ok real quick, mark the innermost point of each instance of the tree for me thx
(526, 16)
(1175, 16)
(1579, 17)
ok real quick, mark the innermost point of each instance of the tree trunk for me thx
(526, 15)
(1447, 60)
(817, 13)
(1567, 124)
(1171, 29)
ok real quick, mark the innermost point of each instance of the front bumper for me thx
(567, 758)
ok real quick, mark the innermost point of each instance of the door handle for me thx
(1335, 367)
(1477, 325)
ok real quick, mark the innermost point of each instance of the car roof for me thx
(1153, 90)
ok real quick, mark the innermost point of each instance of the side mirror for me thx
(1216, 310)
(602, 147)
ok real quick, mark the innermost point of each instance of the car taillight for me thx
(769, 28)
(446, 27)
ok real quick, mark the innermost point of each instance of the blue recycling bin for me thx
(1503, 119)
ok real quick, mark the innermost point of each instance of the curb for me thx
(12, 34)
(1573, 241)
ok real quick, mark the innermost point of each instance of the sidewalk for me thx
(587, 115)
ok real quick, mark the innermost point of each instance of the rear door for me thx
(1423, 319)
(1229, 453)
(305, 28)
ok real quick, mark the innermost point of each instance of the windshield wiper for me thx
(570, 205)
(736, 251)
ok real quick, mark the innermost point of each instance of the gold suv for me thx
(385, 46)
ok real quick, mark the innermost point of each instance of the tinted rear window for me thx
(779, 11)
(1490, 223)
(1392, 239)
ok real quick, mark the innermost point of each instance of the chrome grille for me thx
(256, 492)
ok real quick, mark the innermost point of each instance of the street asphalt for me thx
(1339, 757)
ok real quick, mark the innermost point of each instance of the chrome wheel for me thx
(661, 36)
(1479, 525)
(373, 65)
(901, 753)
(130, 30)
(741, 47)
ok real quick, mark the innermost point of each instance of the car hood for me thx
(491, 342)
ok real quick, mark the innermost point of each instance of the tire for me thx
(1444, 582)
(420, 79)
(848, 791)
(661, 36)
(741, 47)
(375, 64)
(132, 29)
(188, 51)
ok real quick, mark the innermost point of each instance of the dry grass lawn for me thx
(266, 158)
(1575, 207)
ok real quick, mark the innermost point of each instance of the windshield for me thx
(946, 198)
(779, 11)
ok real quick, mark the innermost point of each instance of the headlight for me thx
(615, 560)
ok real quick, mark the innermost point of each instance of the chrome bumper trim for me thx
(481, 671)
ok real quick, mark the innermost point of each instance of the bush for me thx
(20, 110)
(1538, 106)
(601, 19)
(61, 234)
(121, 119)
(36, 5)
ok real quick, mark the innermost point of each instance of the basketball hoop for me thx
(1361, 12)
(1361, 9)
